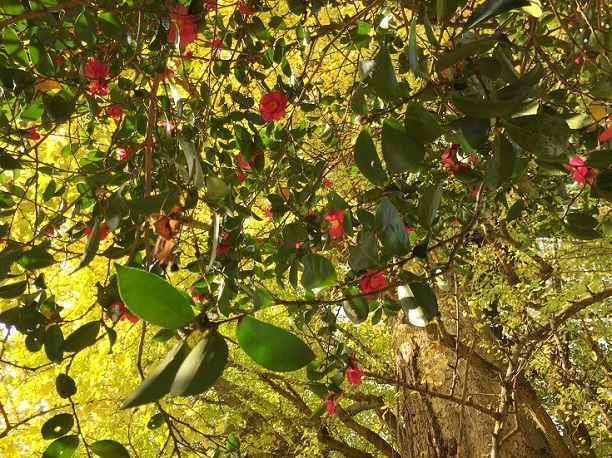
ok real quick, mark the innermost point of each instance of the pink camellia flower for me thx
(123, 153)
(606, 134)
(97, 72)
(186, 25)
(273, 105)
(104, 231)
(330, 406)
(168, 126)
(33, 133)
(216, 44)
(372, 281)
(195, 296)
(336, 218)
(268, 212)
(353, 374)
(242, 163)
(114, 111)
(448, 156)
(578, 60)
(167, 74)
(582, 173)
(119, 312)
(245, 9)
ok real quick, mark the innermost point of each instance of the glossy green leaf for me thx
(602, 89)
(582, 220)
(400, 151)
(478, 108)
(271, 347)
(384, 79)
(515, 211)
(153, 299)
(544, 135)
(57, 426)
(418, 302)
(82, 338)
(156, 421)
(65, 386)
(414, 55)
(319, 411)
(491, 8)
(85, 27)
(53, 340)
(109, 449)
(421, 125)
(445, 9)
(364, 255)
(91, 247)
(474, 131)
(599, 159)
(391, 229)
(428, 205)
(158, 382)
(14, 47)
(603, 185)
(110, 25)
(460, 53)
(13, 290)
(358, 102)
(64, 447)
(12, 7)
(501, 164)
(356, 309)
(59, 107)
(202, 367)
(36, 258)
(216, 189)
(318, 272)
(367, 160)
(583, 234)
(146, 206)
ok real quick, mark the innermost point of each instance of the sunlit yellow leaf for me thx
(46, 85)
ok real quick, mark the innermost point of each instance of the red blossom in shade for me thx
(330, 406)
(119, 312)
(242, 163)
(578, 60)
(582, 173)
(210, 4)
(167, 74)
(123, 153)
(186, 25)
(245, 9)
(272, 106)
(168, 126)
(114, 111)
(448, 156)
(33, 133)
(49, 231)
(336, 218)
(372, 281)
(97, 72)
(475, 191)
(606, 134)
(223, 247)
(216, 44)
(268, 212)
(240, 175)
(409, 230)
(59, 60)
(104, 231)
(353, 374)
(327, 183)
(195, 296)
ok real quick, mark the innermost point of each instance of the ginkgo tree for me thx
(305, 229)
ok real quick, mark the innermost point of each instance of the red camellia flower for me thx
(185, 24)
(336, 218)
(242, 163)
(114, 111)
(606, 134)
(353, 374)
(119, 312)
(273, 105)
(97, 72)
(104, 231)
(169, 126)
(330, 406)
(582, 173)
(216, 44)
(33, 133)
(123, 153)
(245, 9)
(372, 281)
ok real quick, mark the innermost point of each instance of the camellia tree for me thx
(369, 228)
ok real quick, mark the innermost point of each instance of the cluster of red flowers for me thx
(104, 231)
(449, 156)
(582, 173)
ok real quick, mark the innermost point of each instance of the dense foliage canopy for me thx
(220, 220)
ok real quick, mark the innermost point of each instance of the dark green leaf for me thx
(583, 234)
(82, 338)
(602, 89)
(445, 9)
(109, 449)
(477, 108)
(271, 347)
(391, 229)
(36, 258)
(367, 160)
(8, 162)
(158, 382)
(599, 159)
(418, 302)
(14, 47)
(13, 289)
(358, 102)
(384, 80)
(421, 125)
(202, 367)
(492, 8)
(91, 247)
(146, 206)
(110, 24)
(318, 272)
(356, 309)
(63, 447)
(582, 220)
(414, 58)
(544, 135)
(59, 107)
(319, 411)
(428, 205)
(500, 166)
(603, 185)
(457, 55)
(401, 153)
(475, 131)
(85, 27)
(153, 299)
(65, 386)
(163, 335)
(57, 426)
(515, 211)
(364, 256)
(53, 341)
(156, 421)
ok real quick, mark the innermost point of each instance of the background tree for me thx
(305, 229)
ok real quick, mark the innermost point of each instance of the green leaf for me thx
(544, 135)
(158, 382)
(500, 166)
(271, 347)
(146, 206)
(82, 338)
(57, 426)
(109, 449)
(602, 89)
(582, 220)
(8, 162)
(156, 421)
(153, 299)
(416, 64)
(91, 247)
(384, 80)
(583, 234)
(599, 159)
(110, 25)
(418, 302)
(492, 8)
(85, 27)
(428, 205)
(421, 125)
(364, 256)
(367, 160)
(391, 229)
(63, 447)
(202, 367)
(319, 411)
(318, 272)
(14, 47)
(445, 9)
(216, 189)
(13, 289)
(12, 7)
(358, 102)
(59, 107)
(65, 386)
(478, 108)
(53, 340)
(356, 309)
(36, 258)
(401, 153)
(457, 55)
(603, 185)
(515, 211)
